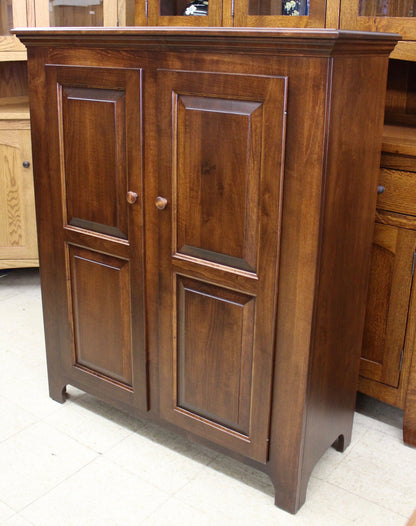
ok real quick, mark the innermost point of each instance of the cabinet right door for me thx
(220, 177)
(388, 304)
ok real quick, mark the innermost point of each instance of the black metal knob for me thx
(26, 164)
(380, 189)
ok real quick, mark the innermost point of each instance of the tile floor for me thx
(85, 463)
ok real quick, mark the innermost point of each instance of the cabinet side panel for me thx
(50, 233)
(352, 167)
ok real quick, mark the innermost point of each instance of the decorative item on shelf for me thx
(295, 7)
(196, 8)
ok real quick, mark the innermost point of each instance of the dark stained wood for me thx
(225, 133)
(100, 299)
(215, 353)
(246, 264)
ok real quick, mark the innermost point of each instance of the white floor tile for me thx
(93, 423)
(344, 507)
(101, 494)
(36, 460)
(177, 513)
(163, 459)
(17, 520)
(381, 469)
(13, 418)
(5, 512)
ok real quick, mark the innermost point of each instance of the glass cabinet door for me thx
(280, 13)
(185, 12)
(77, 13)
(397, 16)
(13, 13)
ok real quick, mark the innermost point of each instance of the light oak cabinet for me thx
(388, 356)
(201, 266)
(18, 244)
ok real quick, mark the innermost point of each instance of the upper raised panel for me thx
(98, 124)
(221, 166)
(93, 122)
(218, 173)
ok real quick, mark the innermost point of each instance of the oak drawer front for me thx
(400, 191)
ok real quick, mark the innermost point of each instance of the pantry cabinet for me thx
(201, 265)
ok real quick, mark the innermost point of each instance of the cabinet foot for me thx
(342, 442)
(58, 393)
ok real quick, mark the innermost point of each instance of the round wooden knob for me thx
(131, 197)
(161, 203)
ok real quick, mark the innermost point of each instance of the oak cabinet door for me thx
(18, 242)
(388, 304)
(95, 133)
(220, 178)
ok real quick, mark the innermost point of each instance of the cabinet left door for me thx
(92, 13)
(18, 245)
(95, 188)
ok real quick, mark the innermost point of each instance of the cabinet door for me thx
(18, 243)
(378, 15)
(183, 12)
(13, 13)
(96, 162)
(220, 177)
(387, 304)
(93, 13)
(280, 13)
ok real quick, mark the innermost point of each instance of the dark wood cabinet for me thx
(200, 262)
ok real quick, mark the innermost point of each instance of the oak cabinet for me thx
(201, 266)
(388, 356)
(18, 245)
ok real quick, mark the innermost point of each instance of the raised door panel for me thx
(100, 301)
(387, 304)
(94, 138)
(95, 131)
(18, 241)
(220, 172)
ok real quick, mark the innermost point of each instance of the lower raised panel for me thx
(100, 304)
(215, 354)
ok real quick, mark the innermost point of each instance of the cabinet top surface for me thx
(252, 40)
